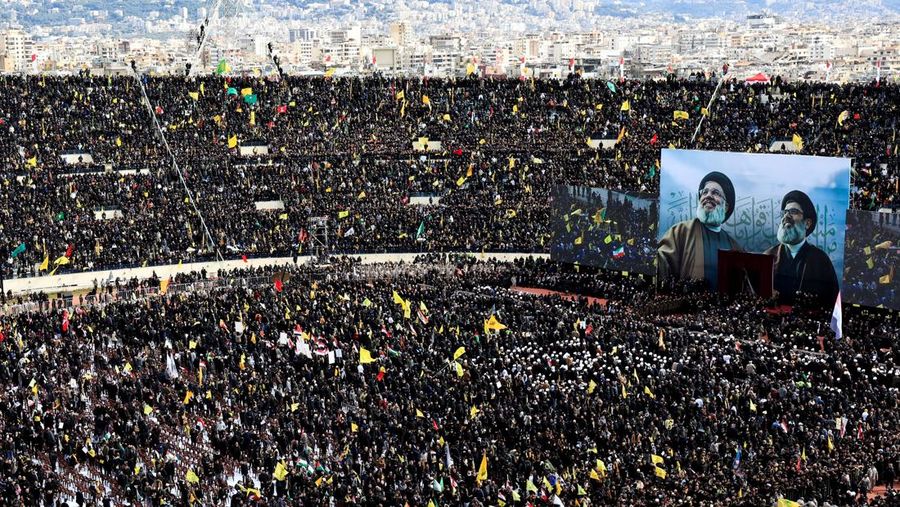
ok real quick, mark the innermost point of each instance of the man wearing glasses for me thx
(799, 265)
(690, 249)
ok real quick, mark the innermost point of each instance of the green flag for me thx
(232, 91)
(61, 216)
(18, 250)
(421, 231)
(611, 86)
(250, 99)
(223, 67)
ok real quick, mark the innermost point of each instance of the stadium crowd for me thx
(342, 149)
(262, 390)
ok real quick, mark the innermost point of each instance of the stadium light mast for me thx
(218, 14)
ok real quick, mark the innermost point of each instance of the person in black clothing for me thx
(799, 265)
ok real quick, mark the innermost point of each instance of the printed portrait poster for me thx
(792, 207)
(605, 228)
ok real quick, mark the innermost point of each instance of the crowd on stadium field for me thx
(404, 384)
(342, 148)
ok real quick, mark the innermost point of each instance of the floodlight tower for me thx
(222, 17)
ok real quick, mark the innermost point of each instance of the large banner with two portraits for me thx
(789, 207)
(774, 224)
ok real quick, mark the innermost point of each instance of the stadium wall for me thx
(86, 280)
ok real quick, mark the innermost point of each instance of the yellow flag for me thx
(32, 162)
(191, 477)
(329, 72)
(680, 115)
(252, 117)
(45, 264)
(784, 502)
(656, 458)
(343, 214)
(579, 240)
(473, 411)
(194, 95)
(419, 413)
(426, 101)
(148, 409)
(798, 141)
(704, 111)
(460, 181)
(752, 406)
(626, 106)
(246, 91)
(164, 286)
(354, 428)
(400, 95)
(459, 352)
(624, 393)
(594, 475)
(591, 386)
(482, 470)
(232, 141)
(493, 324)
(118, 141)
(459, 370)
(470, 69)
(280, 472)
(61, 260)
(365, 357)
(886, 279)
(660, 472)
(649, 393)
(870, 263)
(830, 444)
(446, 117)
(187, 397)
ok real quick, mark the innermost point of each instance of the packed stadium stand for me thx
(455, 379)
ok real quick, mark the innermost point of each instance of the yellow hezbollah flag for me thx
(164, 286)
(61, 260)
(365, 357)
(246, 91)
(280, 471)
(192, 477)
(492, 324)
(426, 101)
(45, 264)
(482, 470)
(459, 352)
(626, 106)
(784, 502)
(680, 115)
(329, 72)
(32, 161)
(232, 141)
(798, 141)
(194, 95)
(343, 214)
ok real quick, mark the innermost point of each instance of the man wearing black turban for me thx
(690, 249)
(800, 266)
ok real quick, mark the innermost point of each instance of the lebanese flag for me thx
(70, 250)
(279, 285)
